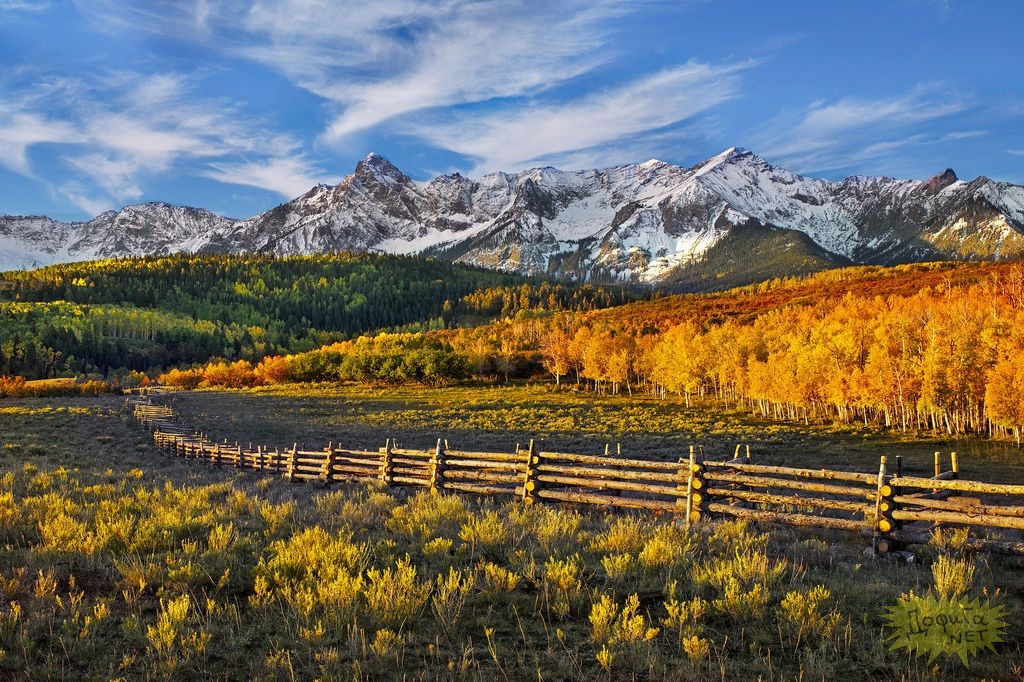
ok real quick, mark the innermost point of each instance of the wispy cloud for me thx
(186, 19)
(480, 52)
(114, 174)
(962, 135)
(119, 129)
(24, 5)
(83, 196)
(29, 116)
(593, 127)
(376, 62)
(287, 176)
(837, 135)
(502, 82)
(21, 130)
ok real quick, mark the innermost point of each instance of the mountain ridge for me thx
(646, 223)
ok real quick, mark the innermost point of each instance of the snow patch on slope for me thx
(639, 222)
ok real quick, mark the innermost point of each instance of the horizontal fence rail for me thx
(891, 509)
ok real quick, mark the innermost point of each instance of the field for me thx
(496, 418)
(121, 563)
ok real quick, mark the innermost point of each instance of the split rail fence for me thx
(892, 509)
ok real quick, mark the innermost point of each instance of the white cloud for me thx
(76, 192)
(178, 19)
(375, 61)
(116, 130)
(201, 15)
(504, 82)
(831, 136)
(146, 125)
(24, 5)
(480, 52)
(20, 130)
(287, 176)
(591, 128)
(963, 135)
(115, 175)
(509, 74)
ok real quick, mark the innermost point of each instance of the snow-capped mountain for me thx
(139, 230)
(652, 222)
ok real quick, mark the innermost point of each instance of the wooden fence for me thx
(892, 509)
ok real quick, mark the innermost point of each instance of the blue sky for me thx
(239, 105)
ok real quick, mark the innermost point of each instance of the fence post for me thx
(437, 465)
(238, 461)
(290, 470)
(386, 470)
(325, 468)
(884, 507)
(684, 476)
(737, 458)
(530, 483)
(695, 486)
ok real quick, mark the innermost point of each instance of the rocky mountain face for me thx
(648, 223)
(139, 230)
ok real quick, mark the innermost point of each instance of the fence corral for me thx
(892, 509)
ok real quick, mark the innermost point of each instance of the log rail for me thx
(892, 509)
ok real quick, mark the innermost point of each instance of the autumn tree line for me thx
(948, 358)
(933, 346)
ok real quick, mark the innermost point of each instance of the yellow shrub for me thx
(488, 533)
(805, 613)
(498, 579)
(561, 583)
(617, 566)
(628, 534)
(394, 595)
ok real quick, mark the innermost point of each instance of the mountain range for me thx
(731, 219)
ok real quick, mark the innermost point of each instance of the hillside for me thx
(144, 314)
(745, 303)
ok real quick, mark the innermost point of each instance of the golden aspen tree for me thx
(1004, 400)
(577, 348)
(555, 348)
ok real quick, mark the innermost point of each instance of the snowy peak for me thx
(731, 156)
(374, 168)
(652, 222)
(734, 154)
(939, 182)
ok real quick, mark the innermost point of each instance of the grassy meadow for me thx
(121, 563)
(497, 417)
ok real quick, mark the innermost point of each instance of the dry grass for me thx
(119, 563)
(496, 418)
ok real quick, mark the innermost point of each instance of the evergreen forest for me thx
(108, 317)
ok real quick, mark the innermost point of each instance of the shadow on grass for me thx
(500, 418)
